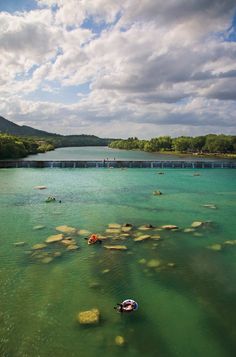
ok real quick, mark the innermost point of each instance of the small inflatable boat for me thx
(50, 199)
(127, 305)
(94, 239)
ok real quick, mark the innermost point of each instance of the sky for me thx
(119, 68)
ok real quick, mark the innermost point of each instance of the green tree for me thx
(182, 144)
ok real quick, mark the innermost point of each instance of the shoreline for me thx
(205, 156)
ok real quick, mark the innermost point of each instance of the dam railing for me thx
(161, 164)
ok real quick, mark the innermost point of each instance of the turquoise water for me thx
(101, 153)
(188, 309)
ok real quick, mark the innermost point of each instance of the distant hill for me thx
(58, 140)
(8, 127)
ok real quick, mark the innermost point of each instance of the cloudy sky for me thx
(119, 68)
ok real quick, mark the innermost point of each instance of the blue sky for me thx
(119, 68)
(17, 5)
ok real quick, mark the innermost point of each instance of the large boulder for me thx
(90, 317)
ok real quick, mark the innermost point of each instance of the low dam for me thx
(183, 164)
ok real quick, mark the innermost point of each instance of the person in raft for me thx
(93, 239)
(126, 306)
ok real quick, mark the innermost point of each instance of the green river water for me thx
(104, 152)
(188, 310)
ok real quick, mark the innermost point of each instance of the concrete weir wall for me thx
(119, 164)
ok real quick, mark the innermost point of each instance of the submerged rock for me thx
(66, 229)
(72, 247)
(230, 242)
(114, 225)
(156, 237)
(142, 237)
(113, 230)
(19, 244)
(157, 193)
(196, 234)
(210, 206)
(115, 247)
(118, 238)
(101, 237)
(83, 232)
(146, 227)
(171, 265)
(142, 261)
(38, 255)
(119, 341)
(188, 230)
(126, 229)
(216, 247)
(54, 238)
(153, 263)
(39, 246)
(197, 224)
(36, 228)
(57, 254)
(169, 226)
(90, 317)
(68, 241)
(47, 260)
(94, 285)
(105, 271)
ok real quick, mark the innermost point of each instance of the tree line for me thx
(14, 147)
(212, 143)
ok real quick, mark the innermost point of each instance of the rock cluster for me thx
(59, 244)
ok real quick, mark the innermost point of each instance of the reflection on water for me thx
(185, 290)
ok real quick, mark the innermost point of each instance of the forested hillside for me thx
(14, 147)
(211, 143)
(8, 127)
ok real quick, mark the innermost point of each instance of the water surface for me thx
(105, 153)
(185, 310)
